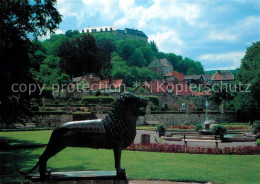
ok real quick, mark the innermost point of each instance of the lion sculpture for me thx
(117, 130)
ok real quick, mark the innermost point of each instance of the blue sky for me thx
(214, 32)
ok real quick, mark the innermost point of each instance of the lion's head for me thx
(120, 123)
(136, 104)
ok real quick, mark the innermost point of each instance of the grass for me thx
(35, 137)
(139, 165)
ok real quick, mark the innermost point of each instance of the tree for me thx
(249, 74)
(52, 45)
(71, 33)
(82, 55)
(137, 58)
(190, 67)
(154, 47)
(50, 73)
(148, 54)
(18, 19)
(173, 59)
(125, 49)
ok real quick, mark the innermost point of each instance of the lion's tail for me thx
(28, 172)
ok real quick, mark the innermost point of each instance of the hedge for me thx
(97, 100)
(153, 99)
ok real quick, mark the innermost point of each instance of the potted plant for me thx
(161, 129)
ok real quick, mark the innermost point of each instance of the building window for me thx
(101, 30)
(105, 29)
(110, 29)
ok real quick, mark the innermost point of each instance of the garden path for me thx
(159, 182)
(205, 144)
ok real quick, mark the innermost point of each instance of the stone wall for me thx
(173, 101)
(189, 118)
(53, 119)
(175, 118)
(50, 119)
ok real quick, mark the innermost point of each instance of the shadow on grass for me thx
(15, 155)
(8, 143)
(19, 154)
(12, 161)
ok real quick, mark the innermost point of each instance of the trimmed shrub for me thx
(258, 142)
(97, 99)
(153, 99)
(256, 128)
(161, 129)
(219, 130)
(198, 127)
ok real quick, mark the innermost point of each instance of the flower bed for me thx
(168, 148)
(180, 127)
(238, 127)
(193, 127)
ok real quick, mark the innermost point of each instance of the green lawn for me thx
(139, 165)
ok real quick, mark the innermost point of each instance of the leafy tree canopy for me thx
(18, 19)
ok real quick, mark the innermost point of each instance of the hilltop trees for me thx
(135, 52)
(82, 55)
(190, 67)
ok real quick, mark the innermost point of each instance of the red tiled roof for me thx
(205, 82)
(179, 76)
(181, 88)
(206, 93)
(223, 75)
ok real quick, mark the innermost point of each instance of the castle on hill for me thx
(119, 34)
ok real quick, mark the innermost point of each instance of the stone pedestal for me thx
(80, 177)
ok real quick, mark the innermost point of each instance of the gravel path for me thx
(205, 144)
(158, 182)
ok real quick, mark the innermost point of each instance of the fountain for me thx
(208, 124)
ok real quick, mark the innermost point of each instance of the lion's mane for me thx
(118, 130)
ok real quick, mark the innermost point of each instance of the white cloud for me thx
(164, 39)
(47, 36)
(224, 60)
(222, 36)
(162, 9)
(237, 30)
(187, 27)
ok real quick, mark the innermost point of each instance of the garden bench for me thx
(152, 122)
(27, 125)
(217, 140)
(30, 125)
(19, 125)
